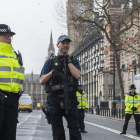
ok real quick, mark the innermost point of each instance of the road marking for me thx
(113, 130)
(24, 120)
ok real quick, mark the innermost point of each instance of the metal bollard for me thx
(109, 112)
(105, 111)
(119, 113)
(116, 113)
(122, 113)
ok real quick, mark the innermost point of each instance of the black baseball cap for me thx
(5, 29)
(62, 38)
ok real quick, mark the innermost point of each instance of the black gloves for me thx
(56, 75)
(134, 108)
(70, 59)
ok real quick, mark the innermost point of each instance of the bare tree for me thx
(119, 17)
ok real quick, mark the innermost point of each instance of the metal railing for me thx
(108, 112)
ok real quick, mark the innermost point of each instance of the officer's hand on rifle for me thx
(134, 108)
(56, 75)
(70, 59)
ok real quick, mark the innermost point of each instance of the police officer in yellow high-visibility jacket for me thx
(11, 78)
(82, 107)
(132, 103)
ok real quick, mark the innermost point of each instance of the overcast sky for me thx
(32, 21)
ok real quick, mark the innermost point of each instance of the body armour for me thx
(57, 63)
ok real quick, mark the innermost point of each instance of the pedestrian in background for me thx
(132, 103)
(82, 107)
(11, 78)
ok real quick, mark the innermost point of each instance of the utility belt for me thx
(56, 94)
(53, 88)
(56, 88)
(9, 94)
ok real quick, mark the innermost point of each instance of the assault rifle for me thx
(66, 88)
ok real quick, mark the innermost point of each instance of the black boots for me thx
(123, 133)
(83, 131)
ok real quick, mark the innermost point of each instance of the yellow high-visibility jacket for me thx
(132, 101)
(11, 73)
(82, 99)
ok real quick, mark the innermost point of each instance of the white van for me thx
(25, 103)
(137, 83)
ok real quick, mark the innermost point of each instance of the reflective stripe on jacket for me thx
(11, 73)
(132, 101)
(82, 99)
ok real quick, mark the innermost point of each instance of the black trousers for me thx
(56, 113)
(127, 118)
(8, 118)
(81, 119)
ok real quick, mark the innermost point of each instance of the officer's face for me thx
(5, 38)
(79, 88)
(133, 90)
(63, 47)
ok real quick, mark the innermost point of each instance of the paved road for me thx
(33, 126)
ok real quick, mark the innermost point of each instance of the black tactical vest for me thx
(53, 86)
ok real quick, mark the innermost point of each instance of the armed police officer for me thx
(60, 74)
(82, 107)
(132, 103)
(11, 78)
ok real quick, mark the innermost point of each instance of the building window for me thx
(130, 32)
(86, 54)
(125, 36)
(97, 59)
(106, 62)
(125, 59)
(130, 58)
(123, 77)
(129, 75)
(108, 79)
(102, 65)
(136, 27)
(136, 54)
(110, 92)
(102, 57)
(97, 47)
(120, 60)
(83, 55)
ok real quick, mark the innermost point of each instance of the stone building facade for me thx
(32, 86)
(129, 55)
(91, 57)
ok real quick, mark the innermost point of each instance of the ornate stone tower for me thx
(51, 47)
(77, 29)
